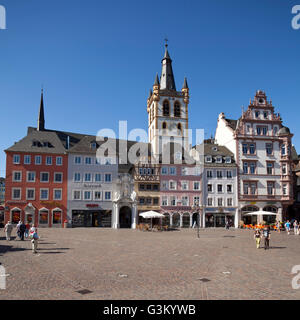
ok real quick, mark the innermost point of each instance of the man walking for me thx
(22, 229)
(288, 226)
(296, 227)
(266, 235)
(8, 229)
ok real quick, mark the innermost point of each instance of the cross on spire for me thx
(166, 42)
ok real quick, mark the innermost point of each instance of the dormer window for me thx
(214, 149)
(219, 159)
(257, 113)
(35, 143)
(208, 159)
(265, 115)
(93, 145)
(228, 160)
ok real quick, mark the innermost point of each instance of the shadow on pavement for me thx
(4, 249)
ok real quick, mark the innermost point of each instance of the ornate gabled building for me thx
(262, 149)
(147, 186)
(167, 110)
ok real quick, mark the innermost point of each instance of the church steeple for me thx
(41, 119)
(167, 81)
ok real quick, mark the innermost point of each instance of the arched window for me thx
(249, 209)
(179, 128)
(164, 125)
(270, 209)
(43, 217)
(177, 109)
(15, 215)
(56, 217)
(166, 108)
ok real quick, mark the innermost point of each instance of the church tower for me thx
(167, 110)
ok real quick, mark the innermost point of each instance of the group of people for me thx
(23, 231)
(265, 234)
(288, 225)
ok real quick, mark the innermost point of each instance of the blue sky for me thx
(97, 61)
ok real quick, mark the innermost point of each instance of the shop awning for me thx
(260, 213)
(151, 214)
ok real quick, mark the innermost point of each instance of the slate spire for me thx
(167, 78)
(41, 120)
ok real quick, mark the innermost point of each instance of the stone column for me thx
(279, 214)
(203, 218)
(115, 221)
(236, 218)
(191, 220)
(171, 219)
(181, 222)
(133, 216)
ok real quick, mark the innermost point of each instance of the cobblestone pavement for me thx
(131, 264)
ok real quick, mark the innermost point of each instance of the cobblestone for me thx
(157, 265)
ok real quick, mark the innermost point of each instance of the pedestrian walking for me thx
(34, 238)
(296, 227)
(26, 234)
(8, 229)
(18, 229)
(288, 226)
(278, 225)
(227, 224)
(266, 235)
(22, 229)
(257, 237)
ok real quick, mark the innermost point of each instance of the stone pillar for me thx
(236, 218)
(134, 216)
(203, 218)
(181, 222)
(191, 220)
(115, 222)
(171, 219)
(279, 214)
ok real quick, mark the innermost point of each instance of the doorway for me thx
(125, 217)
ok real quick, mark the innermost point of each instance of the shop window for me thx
(57, 217)
(15, 216)
(43, 218)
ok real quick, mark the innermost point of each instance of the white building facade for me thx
(220, 201)
(262, 149)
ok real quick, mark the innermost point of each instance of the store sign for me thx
(92, 185)
(92, 205)
(51, 203)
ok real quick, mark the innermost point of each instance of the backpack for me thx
(35, 236)
(266, 233)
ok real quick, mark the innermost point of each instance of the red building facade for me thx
(36, 188)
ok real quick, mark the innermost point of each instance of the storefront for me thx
(216, 218)
(91, 218)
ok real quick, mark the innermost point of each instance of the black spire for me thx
(185, 84)
(167, 78)
(156, 82)
(41, 120)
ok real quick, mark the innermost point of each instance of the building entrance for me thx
(125, 217)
